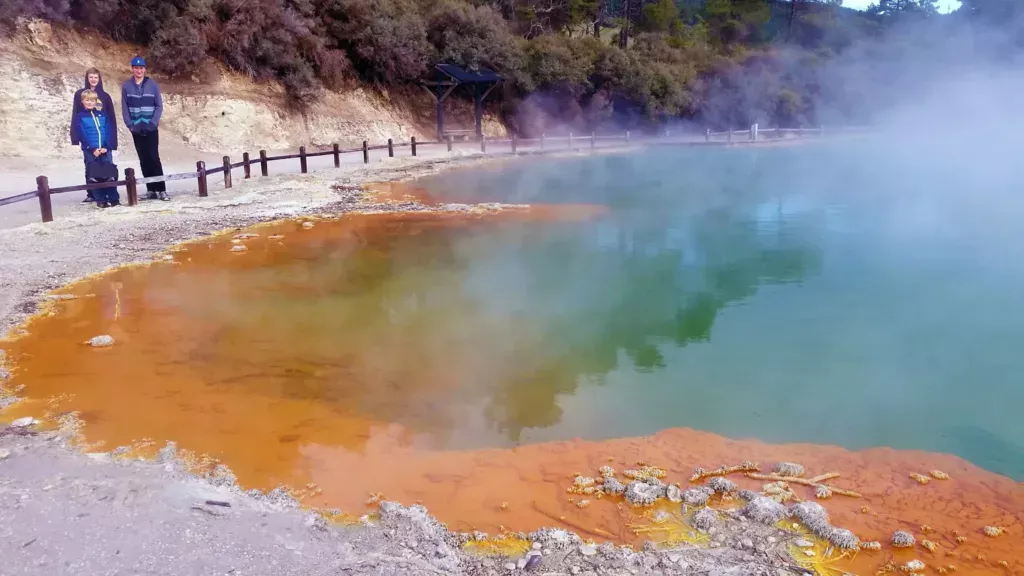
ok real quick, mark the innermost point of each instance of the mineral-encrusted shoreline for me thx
(62, 511)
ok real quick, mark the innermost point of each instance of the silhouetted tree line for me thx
(590, 62)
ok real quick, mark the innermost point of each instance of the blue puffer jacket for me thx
(96, 131)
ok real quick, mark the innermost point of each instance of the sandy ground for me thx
(63, 512)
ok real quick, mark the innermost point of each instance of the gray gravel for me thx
(64, 512)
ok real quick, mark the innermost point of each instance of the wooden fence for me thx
(43, 192)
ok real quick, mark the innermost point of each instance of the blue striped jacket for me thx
(141, 105)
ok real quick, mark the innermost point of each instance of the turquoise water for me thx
(849, 293)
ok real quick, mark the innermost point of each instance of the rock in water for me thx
(765, 510)
(674, 494)
(704, 519)
(239, 248)
(101, 341)
(901, 539)
(24, 422)
(697, 496)
(789, 469)
(307, 225)
(721, 485)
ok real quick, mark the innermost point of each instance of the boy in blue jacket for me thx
(98, 139)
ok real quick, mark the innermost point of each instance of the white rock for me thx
(536, 546)
(521, 563)
(101, 341)
(307, 225)
(588, 549)
(747, 543)
(510, 566)
(5, 454)
(167, 257)
(238, 248)
(803, 543)
(24, 422)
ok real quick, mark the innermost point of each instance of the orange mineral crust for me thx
(355, 418)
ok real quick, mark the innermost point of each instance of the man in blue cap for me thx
(141, 107)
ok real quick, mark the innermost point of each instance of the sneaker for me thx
(102, 205)
(164, 196)
(151, 196)
(88, 199)
(112, 204)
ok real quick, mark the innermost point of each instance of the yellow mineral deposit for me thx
(920, 478)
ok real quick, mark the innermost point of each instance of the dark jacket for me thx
(108, 111)
(95, 129)
(142, 105)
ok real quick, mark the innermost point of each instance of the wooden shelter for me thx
(448, 77)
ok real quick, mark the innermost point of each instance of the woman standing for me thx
(94, 82)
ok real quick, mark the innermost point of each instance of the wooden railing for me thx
(43, 192)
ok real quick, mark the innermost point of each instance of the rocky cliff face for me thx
(214, 111)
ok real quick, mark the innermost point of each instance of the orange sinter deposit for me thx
(240, 348)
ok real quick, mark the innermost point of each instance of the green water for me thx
(845, 294)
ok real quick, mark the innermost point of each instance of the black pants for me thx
(147, 145)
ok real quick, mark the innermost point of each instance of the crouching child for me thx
(97, 133)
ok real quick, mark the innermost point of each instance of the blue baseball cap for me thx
(138, 61)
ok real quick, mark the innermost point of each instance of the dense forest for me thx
(588, 63)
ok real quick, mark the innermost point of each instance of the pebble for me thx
(588, 549)
(772, 540)
(5, 454)
(24, 422)
(510, 566)
(574, 570)
(307, 225)
(167, 257)
(521, 563)
(803, 543)
(536, 546)
(238, 248)
(809, 552)
(101, 341)
(747, 543)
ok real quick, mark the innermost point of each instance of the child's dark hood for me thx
(99, 85)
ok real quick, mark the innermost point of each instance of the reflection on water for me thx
(747, 293)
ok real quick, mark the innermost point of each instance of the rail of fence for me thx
(43, 192)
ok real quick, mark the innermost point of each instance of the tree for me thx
(900, 8)
(661, 16)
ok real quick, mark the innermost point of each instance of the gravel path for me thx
(64, 512)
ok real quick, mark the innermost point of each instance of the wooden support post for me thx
(483, 143)
(412, 144)
(130, 187)
(728, 135)
(570, 140)
(227, 172)
(513, 144)
(707, 135)
(449, 139)
(302, 159)
(391, 148)
(593, 139)
(43, 191)
(246, 167)
(337, 156)
(263, 163)
(541, 140)
(201, 169)
(627, 135)
(366, 153)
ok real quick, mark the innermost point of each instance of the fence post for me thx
(302, 159)
(707, 135)
(227, 172)
(449, 139)
(366, 153)
(245, 167)
(412, 142)
(513, 144)
(43, 192)
(822, 129)
(542, 141)
(728, 135)
(131, 187)
(593, 139)
(263, 163)
(627, 135)
(201, 169)
(391, 148)
(483, 143)
(337, 156)
(570, 140)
